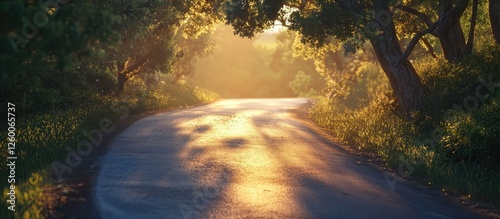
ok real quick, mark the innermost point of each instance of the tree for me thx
(415, 16)
(286, 62)
(450, 31)
(494, 9)
(473, 21)
(146, 30)
(42, 44)
(191, 50)
(347, 21)
(402, 76)
(150, 31)
(447, 26)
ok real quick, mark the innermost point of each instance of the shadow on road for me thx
(246, 158)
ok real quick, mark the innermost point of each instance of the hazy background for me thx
(260, 67)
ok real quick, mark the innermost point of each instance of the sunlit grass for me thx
(395, 142)
(44, 137)
(34, 197)
(462, 159)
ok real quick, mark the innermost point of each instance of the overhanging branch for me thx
(415, 40)
(429, 47)
(420, 15)
(443, 21)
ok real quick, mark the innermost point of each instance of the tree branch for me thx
(415, 40)
(444, 20)
(419, 14)
(470, 41)
(429, 47)
(451, 16)
(137, 65)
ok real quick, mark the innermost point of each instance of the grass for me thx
(453, 149)
(44, 137)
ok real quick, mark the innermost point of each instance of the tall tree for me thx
(494, 9)
(348, 21)
(150, 31)
(473, 21)
(403, 78)
(450, 31)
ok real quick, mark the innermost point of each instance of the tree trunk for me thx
(122, 78)
(470, 41)
(339, 63)
(450, 31)
(495, 19)
(404, 80)
(125, 71)
(452, 41)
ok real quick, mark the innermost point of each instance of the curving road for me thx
(247, 158)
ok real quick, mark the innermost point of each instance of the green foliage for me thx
(250, 17)
(321, 23)
(165, 91)
(301, 85)
(448, 84)
(365, 85)
(454, 148)
(285, 62)
(315, 20)
(70, 47)
(58, 40)
(33, 200)
(473, 137)
(43, 140)
(327, 19)
(46, 135)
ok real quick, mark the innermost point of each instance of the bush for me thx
(301, 85)
(473, 137)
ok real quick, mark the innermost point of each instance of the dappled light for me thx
(234, 157)
(250, 109)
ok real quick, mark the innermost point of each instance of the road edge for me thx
(486, 210)
(77, 189)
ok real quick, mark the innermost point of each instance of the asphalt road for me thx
(248, 158)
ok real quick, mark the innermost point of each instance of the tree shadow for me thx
(229, 160)
(234, 142)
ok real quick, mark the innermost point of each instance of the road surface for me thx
(247, 158)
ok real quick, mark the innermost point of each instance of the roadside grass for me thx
(44, 137)
(455, 149)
